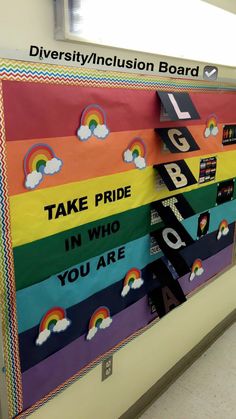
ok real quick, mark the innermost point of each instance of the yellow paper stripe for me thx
(30, 221)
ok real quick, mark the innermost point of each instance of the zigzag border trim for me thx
(48, 73)
(7, 286)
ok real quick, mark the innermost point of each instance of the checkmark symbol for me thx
(210, 73)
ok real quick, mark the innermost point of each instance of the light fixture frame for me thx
(63, 32)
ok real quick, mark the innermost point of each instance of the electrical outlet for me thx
(107, 366)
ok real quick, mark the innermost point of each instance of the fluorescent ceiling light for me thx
(190, 29)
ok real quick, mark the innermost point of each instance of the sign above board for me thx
(95, 57)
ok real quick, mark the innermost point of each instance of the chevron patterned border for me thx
(48, 73)
(7, 286)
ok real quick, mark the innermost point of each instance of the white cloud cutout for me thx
(42, 337)
(101, 131)
(105, 323)
(125, 290)
(52, 166)
(219, 235)
(199, 272)
(192, 276)
(207, 132)
(140, 162)
(137, 283)
(214, 131)
(128, 156)
(223, 232)
(61, 325)
(92, 332)
(84, 132)
(33, 179)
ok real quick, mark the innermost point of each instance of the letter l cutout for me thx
(180, 114)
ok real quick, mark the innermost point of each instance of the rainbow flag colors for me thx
(105, 227)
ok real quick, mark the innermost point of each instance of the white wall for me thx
(31, 22)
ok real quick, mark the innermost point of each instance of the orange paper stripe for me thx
(93, 158)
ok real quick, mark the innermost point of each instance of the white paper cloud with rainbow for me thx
(132, 280)
(223, 229)
(136, 153)
(211, 126)
(93, 123)
(54, 321)
(40, 160)
(101, 319)
(197, 269)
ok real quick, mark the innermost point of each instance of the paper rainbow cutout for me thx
(40, 160)
(211, 126)
(98, 316)
(137, 147)
(93, 122)
(100, 319)
(223, 229)
(92, 116)
(53, 321)
(197, 269)
(136, 152)
(131, 276)
(51, 318)
(37, 158)
(132, 280)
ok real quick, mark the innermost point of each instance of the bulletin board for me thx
(117, 203)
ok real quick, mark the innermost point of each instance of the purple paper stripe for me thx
(56, 369)
(211, 267)
(59, 367)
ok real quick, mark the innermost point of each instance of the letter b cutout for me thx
(176, 174)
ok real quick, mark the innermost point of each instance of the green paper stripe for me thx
(36, 261)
